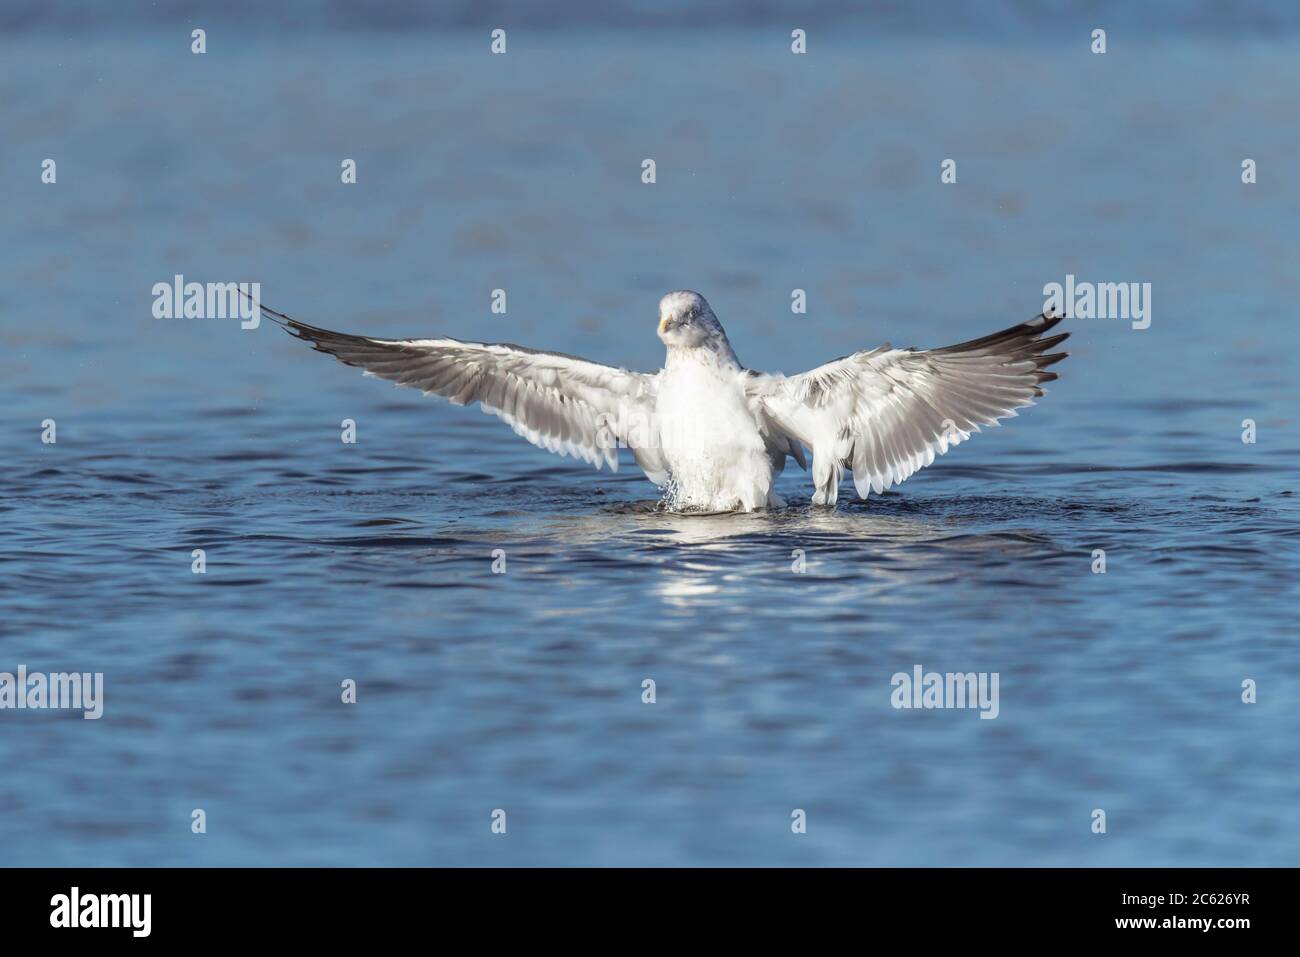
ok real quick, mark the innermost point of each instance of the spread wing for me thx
(557, 402)
(887, 412)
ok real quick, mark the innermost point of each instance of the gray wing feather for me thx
(558, 402)
(885, 413)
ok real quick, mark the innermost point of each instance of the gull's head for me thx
(686, 321)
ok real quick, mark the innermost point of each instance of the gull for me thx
(711, 433)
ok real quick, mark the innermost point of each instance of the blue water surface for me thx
(523, 691)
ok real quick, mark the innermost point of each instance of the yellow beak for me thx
(663, 325)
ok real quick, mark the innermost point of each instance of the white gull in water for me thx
(712, 433)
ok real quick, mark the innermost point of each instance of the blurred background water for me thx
(522, 691)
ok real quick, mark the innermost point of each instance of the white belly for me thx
(716, 457)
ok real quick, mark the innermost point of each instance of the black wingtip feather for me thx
(299, 330)
(1023, 335)
(1019, 343)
